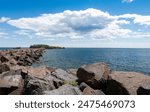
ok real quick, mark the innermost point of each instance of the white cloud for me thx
(128, 1)
(4, 19)
(90, 23)
(137, 19)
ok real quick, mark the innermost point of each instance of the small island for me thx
(46, 46)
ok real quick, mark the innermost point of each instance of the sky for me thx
(75, 23)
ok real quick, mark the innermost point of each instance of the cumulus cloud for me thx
(128, 1)
(4, 19)
(89, 23)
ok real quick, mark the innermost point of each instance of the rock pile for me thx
(18, 77)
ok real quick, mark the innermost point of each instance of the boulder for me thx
(64, 90)
(4, 68)
(4, 59)
(39, 72)
(89, 91)
(63, 75)
(13, 62)
(36, 86)
(128, 83)
(95, 75)
(11, 82)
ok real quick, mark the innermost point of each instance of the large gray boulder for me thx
(95, 75)
(63, 75)
(64, 90)
(124, 83)
(35, 85)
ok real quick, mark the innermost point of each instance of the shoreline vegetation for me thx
(46, 46)
(18, 77)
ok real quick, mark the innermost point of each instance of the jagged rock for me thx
(4, 68)
(95, 75)
(4, 59)
(11, 82)
(64, 90)
(36, 86)
(63, 75)
(89, 91)
(124, 83)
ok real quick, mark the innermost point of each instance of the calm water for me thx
(118, 59)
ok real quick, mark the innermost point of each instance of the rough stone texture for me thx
(123, 83)
(94, 75)
(90, 91)
(11, 82)
(4, 58)
(72, 71)
(39, 72)
(36, 86)
(64, 90)
(4, 68)
(82, 86)
(63, 75)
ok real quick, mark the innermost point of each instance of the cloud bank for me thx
(84, 24)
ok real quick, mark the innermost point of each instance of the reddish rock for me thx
(11, 82)
(95, 75)
(124, 83)
(90, 91)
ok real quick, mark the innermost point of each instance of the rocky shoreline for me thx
(18, 77)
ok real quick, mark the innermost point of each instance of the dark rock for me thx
(36, 86)
(82, 86)
(64, 90)
(4, 59)
(95, 75)
(4, 68)
(124, 83)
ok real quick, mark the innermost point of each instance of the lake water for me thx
(137, 60)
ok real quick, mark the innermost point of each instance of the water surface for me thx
(123, 59)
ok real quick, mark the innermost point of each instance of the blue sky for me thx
(75, 23)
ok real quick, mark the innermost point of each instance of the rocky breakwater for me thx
(12, 63)
(18, 77)
(99, 76)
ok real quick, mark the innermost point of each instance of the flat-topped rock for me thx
(11, 81)
(123, 83)
(63, 75)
